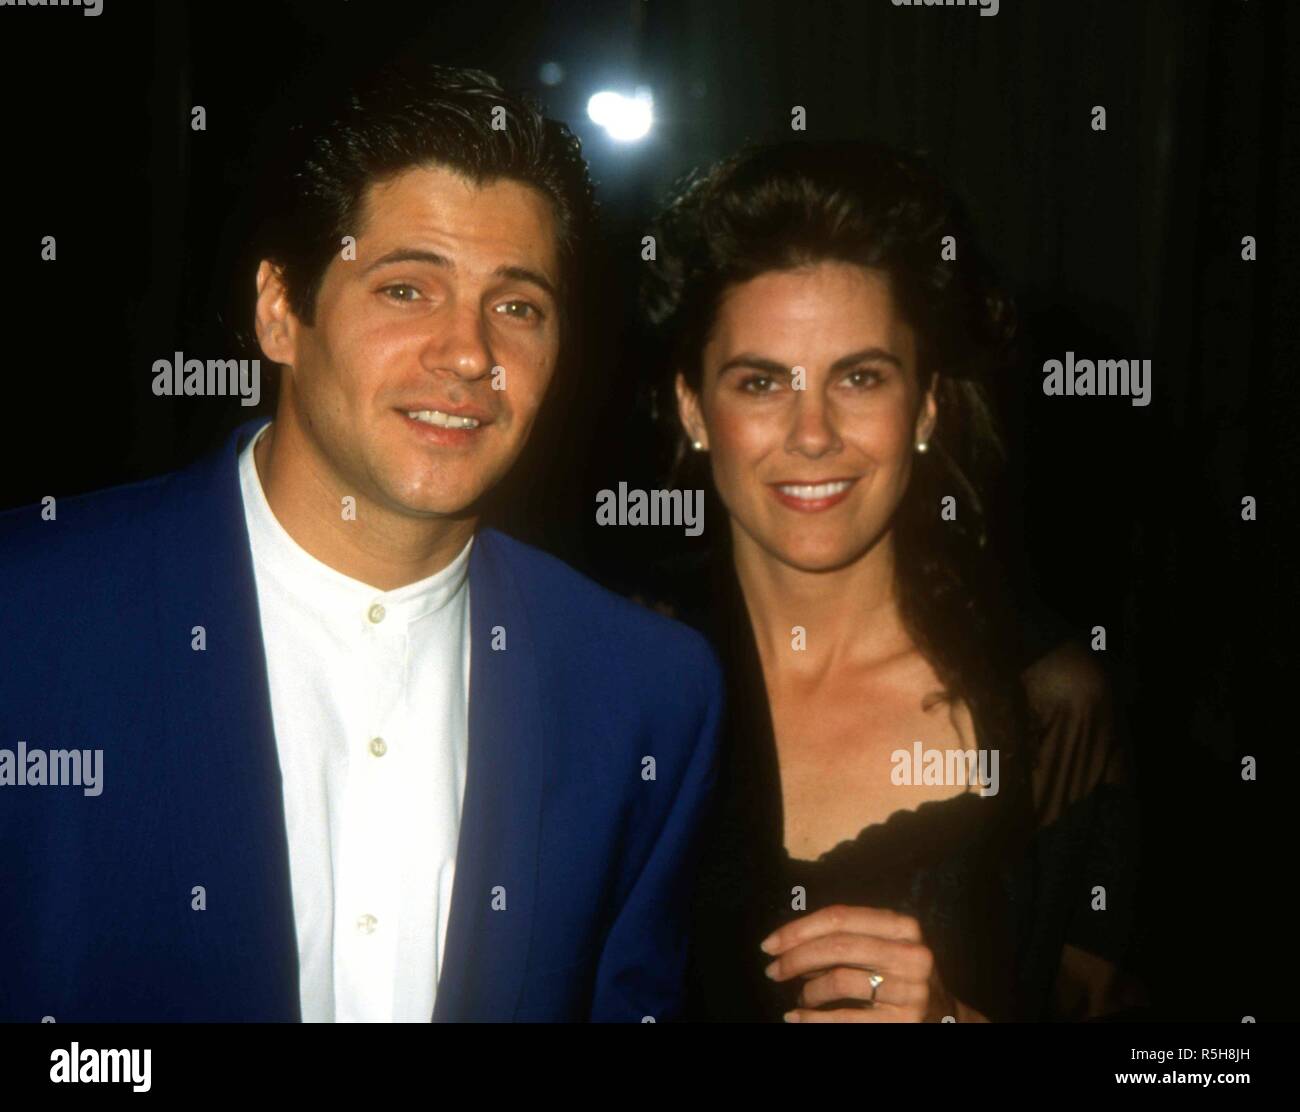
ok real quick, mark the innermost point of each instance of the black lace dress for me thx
(1007, 888)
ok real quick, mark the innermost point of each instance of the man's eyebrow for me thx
(410, 255)
(773, 367)
(526, 274)
(420, 255)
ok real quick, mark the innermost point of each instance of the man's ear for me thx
(276, 324)
(688, 412)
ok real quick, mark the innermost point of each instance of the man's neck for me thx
(377, 546)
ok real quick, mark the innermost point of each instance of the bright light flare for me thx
(626, 119)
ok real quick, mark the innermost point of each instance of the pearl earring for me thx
(697, 445)
(922, 446)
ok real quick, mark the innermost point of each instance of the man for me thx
(361, 760)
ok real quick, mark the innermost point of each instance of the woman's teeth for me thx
(813, 493)
(443, 420)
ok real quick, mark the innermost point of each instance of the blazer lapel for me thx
(222, 771)
(495, 888)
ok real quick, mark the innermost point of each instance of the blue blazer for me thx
(97, 916)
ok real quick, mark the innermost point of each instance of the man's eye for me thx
(524, 310)
(758, 384)
(401, 292)
(863, 377)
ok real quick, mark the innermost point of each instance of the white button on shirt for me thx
(369, 698)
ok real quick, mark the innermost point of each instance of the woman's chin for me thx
(817, 557)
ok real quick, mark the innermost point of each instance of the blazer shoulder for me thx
(570, 610)
(113, 524)
(93, 526)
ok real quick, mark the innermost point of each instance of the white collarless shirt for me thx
(370, 703)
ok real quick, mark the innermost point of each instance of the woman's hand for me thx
(835, 951)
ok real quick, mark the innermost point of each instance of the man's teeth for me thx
(443, 420)
(813, 493)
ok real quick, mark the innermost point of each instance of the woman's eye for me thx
(524, 310)
(401, 292)
(757, 384)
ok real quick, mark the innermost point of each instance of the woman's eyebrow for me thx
(773, 367)
(754, 363)
(867, 355)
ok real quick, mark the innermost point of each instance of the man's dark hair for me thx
(404, 116)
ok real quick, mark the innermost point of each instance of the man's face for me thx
(419, 382)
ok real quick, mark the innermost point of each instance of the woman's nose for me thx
(812, 431)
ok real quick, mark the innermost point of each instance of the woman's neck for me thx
(849, 616)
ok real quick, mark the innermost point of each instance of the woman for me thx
(921, 811)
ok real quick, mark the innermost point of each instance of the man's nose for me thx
(458, 344)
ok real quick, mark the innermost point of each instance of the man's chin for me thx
(455, 508)
(454, 492)
(457, 503)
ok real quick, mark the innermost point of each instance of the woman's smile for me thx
(812, 497)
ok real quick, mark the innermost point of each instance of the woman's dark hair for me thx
(405, 115)
(798, 204)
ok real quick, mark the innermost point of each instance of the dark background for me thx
(1125, 243)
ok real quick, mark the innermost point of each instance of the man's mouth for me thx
(443, 420)
(811, 497)
(454, 427)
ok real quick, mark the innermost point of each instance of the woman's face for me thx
(811, 467)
